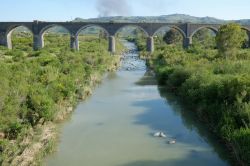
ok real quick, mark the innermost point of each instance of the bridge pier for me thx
(248, 34)
(38, 42)
(3, 39)
(150, 44)
(187, 42)
(112, 44)
(8, 41)
(74, 42)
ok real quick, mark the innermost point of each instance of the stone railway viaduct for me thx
(38, 29)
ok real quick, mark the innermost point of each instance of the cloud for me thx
(113, 7)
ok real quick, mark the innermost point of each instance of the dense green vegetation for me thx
(172, 37)
(35, 85)
(214, 83)
(230, 39)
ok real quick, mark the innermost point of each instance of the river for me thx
(115, 126)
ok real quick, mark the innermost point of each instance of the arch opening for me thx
(92, 34)
(166, 28)
(204, 37)
(55, 36)
(135, 34)
(213, 29)
(246, 43)
(169, 35)
(20, 37)
(131, 29)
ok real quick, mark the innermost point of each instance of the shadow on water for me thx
(156, 117)
(111, 76)
(147, 79)
(172, 162)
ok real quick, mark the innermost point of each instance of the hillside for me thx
(173, 18)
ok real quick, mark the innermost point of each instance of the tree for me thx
(205, 38)
(172, 37)
(138, 33)
(103, 34)
(229, 39)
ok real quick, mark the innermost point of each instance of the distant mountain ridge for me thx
(173, 18)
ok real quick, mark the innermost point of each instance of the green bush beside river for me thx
(36, 86)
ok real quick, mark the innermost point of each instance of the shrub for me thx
(14, 130)
(241, 139)
(178, 77)
(40, 105)
(229, 39)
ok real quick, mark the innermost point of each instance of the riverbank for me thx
(216, 89)
(42, 140)
(50, 84)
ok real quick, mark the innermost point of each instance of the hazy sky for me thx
(63, 10)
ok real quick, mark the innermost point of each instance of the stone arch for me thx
(247, 45)
(14, 26)
(247, 30)
(172, 27)
(46, 28)
(132, 25)
(202, 41)
(9, 33)
(112, 37)
(181, 32)
(91, 25)
(76, 41)
(214, 29)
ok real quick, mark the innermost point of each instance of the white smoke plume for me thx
(113, 8)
